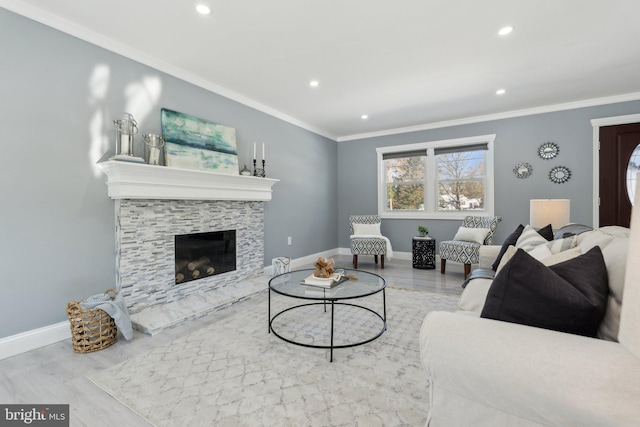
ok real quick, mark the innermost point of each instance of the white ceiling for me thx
(408, 64)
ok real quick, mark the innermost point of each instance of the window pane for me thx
(632, 172)
(461, 181)
(467, 164)
(402, 196)
(404, 169)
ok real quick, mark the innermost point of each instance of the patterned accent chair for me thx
(468, 253)
(367, 246)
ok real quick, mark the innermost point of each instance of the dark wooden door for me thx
(616, 145)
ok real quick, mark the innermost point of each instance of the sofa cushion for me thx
(568, 297)
(615, 257)
(474, 295)
(510, 240)
(630, 313)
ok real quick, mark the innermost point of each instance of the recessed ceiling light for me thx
(203, 9)
(506, 30)
(314, 83)
(500, 92)
(364, 117)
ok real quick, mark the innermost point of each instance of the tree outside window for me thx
(405, 183)
(461, 181)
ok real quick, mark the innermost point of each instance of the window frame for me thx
(430, 211)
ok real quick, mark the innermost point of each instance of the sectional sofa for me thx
(503, 362)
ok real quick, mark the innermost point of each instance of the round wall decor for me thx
(559, 174)
(548, 150)
(523, 170)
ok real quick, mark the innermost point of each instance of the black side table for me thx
(424, 253)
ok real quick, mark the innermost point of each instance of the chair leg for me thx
(375, 258)
(355, 261)
(443, 262)
(382, 261)
(467, 270)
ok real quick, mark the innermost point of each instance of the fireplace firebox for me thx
(202, 255)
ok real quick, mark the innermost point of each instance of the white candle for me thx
(254, 150)
(263, 151)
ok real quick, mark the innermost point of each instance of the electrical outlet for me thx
(289, 240)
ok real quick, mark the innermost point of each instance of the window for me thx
(441, 179)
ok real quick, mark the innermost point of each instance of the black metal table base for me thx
(332, 303)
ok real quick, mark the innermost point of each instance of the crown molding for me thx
(498, 116)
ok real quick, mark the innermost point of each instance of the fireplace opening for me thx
(202, 255)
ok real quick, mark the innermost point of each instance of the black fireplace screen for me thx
(204, 254)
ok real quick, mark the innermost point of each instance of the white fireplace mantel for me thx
(128, 180)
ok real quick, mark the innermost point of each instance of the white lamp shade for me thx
(549, 211)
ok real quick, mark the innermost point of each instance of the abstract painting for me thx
(194, 143)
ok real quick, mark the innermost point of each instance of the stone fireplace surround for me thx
(153, 204)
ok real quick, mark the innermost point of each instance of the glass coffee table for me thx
(367, 284)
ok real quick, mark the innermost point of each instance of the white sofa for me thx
(486, 372)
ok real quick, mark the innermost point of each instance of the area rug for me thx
(234, 373)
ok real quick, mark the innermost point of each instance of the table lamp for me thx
(549, 211)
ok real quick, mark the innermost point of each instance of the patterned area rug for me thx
(233, 373)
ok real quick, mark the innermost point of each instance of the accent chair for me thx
(465, 246)
(367, 226)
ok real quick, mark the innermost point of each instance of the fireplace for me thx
(200, 255)
(154, 204)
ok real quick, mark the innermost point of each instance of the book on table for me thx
(322, 282)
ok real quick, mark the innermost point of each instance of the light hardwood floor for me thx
(55, 374)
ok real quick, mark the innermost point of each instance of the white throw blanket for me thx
(389, 253)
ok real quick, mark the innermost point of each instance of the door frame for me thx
(597, 124)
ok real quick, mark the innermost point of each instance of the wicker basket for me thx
(93, 329)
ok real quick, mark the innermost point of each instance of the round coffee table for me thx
(289, 284)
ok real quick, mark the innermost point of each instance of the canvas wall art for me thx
(194, 143)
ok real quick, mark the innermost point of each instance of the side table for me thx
(424, 253)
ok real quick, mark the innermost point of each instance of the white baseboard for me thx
(407, 256)
(36, 338)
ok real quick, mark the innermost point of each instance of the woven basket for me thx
(93, 329)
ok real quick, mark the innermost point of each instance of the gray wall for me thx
(517, 140)
(59, 96)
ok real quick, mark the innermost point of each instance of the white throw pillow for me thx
(542, 254)
(529, 239)
(364, 229)
(560, 245)
(553, 247)
(476, 235)
(562, 256)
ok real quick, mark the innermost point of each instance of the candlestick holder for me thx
(259, 172)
